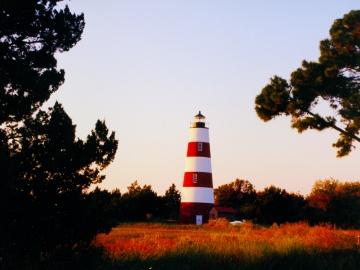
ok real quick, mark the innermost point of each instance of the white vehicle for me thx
(238, 222)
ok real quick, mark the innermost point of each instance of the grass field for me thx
(222, 246)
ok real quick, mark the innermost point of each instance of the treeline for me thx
(139, 203)
(330, 201)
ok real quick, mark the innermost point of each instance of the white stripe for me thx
(197, 195)
(198, 164)
(199, 135)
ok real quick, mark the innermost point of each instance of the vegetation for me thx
(335, 202)
(277, 205)
(30, 37)
(330, 201)
(239, 194)
(219, 245)
(45, 169)
(49, 217)
(334, 80)
(139, 203)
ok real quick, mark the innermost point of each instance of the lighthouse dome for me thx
(199, 121)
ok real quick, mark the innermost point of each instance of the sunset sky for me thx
(147, 67)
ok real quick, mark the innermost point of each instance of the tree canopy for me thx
(171, 202)
(236, 193)
(140, 202)
(336, 202)
(274, 204)
(45, 169)
(31, 32)
(334, 79)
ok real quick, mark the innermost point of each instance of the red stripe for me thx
(198, 149)
(197, 179)
(188, 212)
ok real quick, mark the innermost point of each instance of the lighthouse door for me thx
(199, 220)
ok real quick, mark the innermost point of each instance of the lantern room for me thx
(199, 121)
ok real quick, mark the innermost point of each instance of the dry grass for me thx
(246, 243)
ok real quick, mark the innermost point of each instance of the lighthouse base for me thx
(189, 211)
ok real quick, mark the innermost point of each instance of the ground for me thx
(221, 245)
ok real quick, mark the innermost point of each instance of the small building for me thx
(222, 212)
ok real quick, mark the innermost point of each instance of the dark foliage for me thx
(170, 203)
(272, 205)
(42, 199)
(139, 203)
(331, 201)
(105, 208)
(334, 80)
(275, 205)
(31, 32)
(240, 195)
(143, 204)
(45, 169)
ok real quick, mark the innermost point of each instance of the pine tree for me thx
(334, 80)
(45, 169)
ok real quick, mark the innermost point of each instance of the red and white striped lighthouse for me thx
(197, 196)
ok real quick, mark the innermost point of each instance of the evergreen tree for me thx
(31, 32)
(45, 169)
(171, 202)
(140, 203)
(334, 80)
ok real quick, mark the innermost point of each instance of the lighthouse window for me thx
(194, 178)
(200, 146)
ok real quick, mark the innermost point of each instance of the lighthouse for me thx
(197, 196)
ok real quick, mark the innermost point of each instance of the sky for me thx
(147, 67)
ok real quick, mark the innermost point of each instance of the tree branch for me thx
(330, 124)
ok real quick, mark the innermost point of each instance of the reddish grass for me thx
(245, 242)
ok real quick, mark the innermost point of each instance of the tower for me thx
(197, 196)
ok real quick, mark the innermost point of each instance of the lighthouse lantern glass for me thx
(199, 121)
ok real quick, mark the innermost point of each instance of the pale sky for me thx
(147, 67)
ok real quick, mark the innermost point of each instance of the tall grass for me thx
(216, 244)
